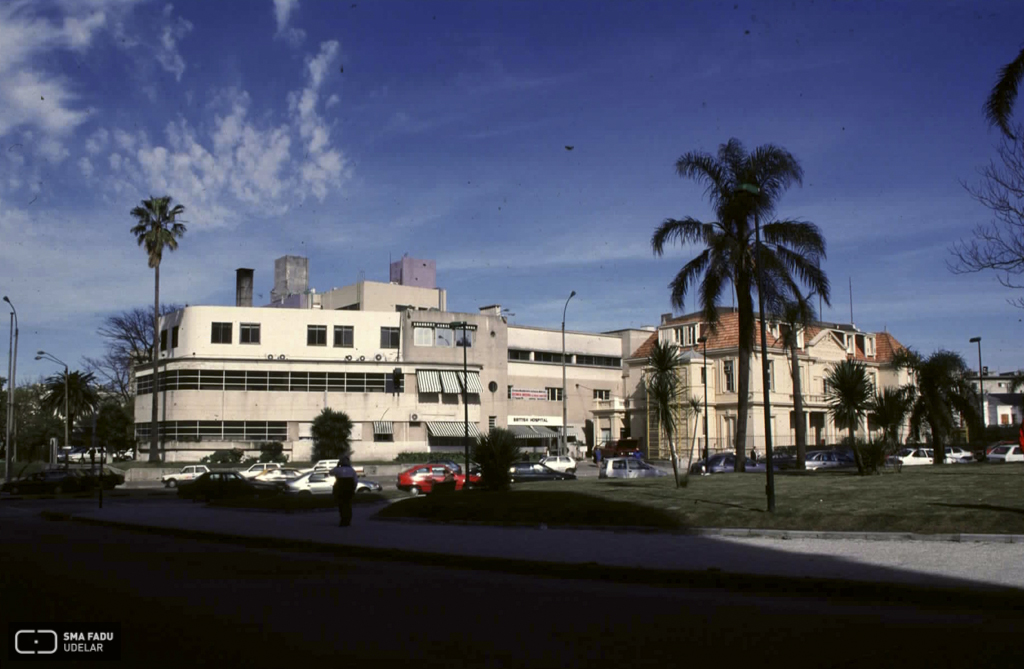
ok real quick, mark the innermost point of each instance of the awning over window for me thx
(428, 381)
(450, 383)
(577, 432)
(474, 382)
(533, 432)
(451, 429)
(383, 427)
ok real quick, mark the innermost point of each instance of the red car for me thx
(421, 478)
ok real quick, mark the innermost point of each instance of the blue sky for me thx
(443, 137)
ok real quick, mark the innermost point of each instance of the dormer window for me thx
(687, 335)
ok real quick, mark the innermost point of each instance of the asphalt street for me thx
(186, 601)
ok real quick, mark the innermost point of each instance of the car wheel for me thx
(305, 493)
(15, 490)
(570, 471)
(172, 484)
(414, 490)
(58, 490)
(362, 490)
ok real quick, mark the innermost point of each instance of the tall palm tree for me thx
(82, 396)
(1000, 101)
(663, 392)
(942, 389)
(695, 409)
(796, 315)
(157, 228)
(849, 393)
(791, 250)
(888, 409)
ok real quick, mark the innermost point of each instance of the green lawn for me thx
(931, 500)
(296, 503)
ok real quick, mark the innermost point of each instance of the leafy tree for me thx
(663, 393)
(273, 452)
(849, 394)
(888, 410)
(114, 427)
(33, 425)
(998, 245)
(157, 228)
(942, 390)
(796, 315)
(126, 336)
(495, 452)
(82, 397)
(791, 250)
(1000, 101)
(331, 433)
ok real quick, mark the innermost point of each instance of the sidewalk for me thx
(971, 567)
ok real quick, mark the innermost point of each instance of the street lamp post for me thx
(981, 387)
(43, 355)
(704, 340)
(563, 445)
(770, 488)
(465, 398)
(12, 364)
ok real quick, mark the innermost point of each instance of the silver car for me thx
(627, 468)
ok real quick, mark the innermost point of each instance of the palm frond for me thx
(683, 230)
(1000, 101)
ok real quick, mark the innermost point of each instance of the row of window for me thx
(211, 379)
(316, 335)
(519, 355)
(441, 337)
(216, 430)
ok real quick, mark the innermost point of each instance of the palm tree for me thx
(796, 315)
(849, 394)
(663, 392)
(791, 250)
(1000, 101)
(695, 409)
(888, 409)
(157, 229)
(82, 397)
(942, 388)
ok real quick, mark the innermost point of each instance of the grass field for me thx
(987, 499)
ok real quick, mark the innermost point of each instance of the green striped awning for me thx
(474, 382)
(428, 381)
(383, 427)
(451, 429)
(533, 432)
(450, 383)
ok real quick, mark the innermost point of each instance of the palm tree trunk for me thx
(672, 450)
(746, 318)
(937, 447)
(693, 443)
(798, 414)
(856, 451)
(154, 426)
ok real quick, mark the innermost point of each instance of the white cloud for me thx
(124, 140)
(331, 101)
(115, 161)
(323, 167)
(167, 53)
(79, 31)
(52, 149)
(282, 11)
(85, 165)
(97, 141)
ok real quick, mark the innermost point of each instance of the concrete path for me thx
(982, 566)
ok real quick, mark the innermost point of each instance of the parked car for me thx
(823, 460)
(108, 477)
(84, 455)
(325, 464)
(218, 485)
(55, 481)
(1002, 454)
(957, 454)
(719, 463)
(259, 468)
(189, 473)
(528, 472)
(73, 455)
(917, 456)
(275, 479)
(321, 483)
(421, 478)
(560, 463)
(449, 463)
(627, 468)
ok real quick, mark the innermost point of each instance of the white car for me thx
(325, 465)
(917, 456)
(1006, 454)
(259, 468)
(822, 460)
(322, 483)
(627, 468)
(560, 463)
(190, 473)
(957, 454)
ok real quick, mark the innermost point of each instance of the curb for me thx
(943, 597)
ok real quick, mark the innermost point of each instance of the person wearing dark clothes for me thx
(344, 490)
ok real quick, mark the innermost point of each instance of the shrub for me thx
(225, 457)
(273, 452)
(331, 432)
(412, 458)
(496, 452)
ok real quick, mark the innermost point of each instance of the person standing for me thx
(344, 490)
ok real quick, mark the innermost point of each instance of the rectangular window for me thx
(703, 376)
(423, 336)
(248, 333)
(509, 390)
(518, 355)
(771, 376)
(316, 335)
(543, 356)
(492, 422)
(220, 333)
(443, 338)
(163, 340)
(602, 394)
(174, 337)
(554, 394)
(687, 335)
(730, 386)
(389, 337)
(464, 338)
(344, 336)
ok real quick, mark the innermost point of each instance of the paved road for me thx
(194, 603)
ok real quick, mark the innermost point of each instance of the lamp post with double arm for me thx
(465, 396)
(563, 445)
(981, 389)
(12, 365)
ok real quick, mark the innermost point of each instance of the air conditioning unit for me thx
(413, 417)
(348, 357)
(280, 357)
(270, 356)
(378, 357)
(362, 358)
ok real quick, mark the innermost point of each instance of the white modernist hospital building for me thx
(241, 376)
